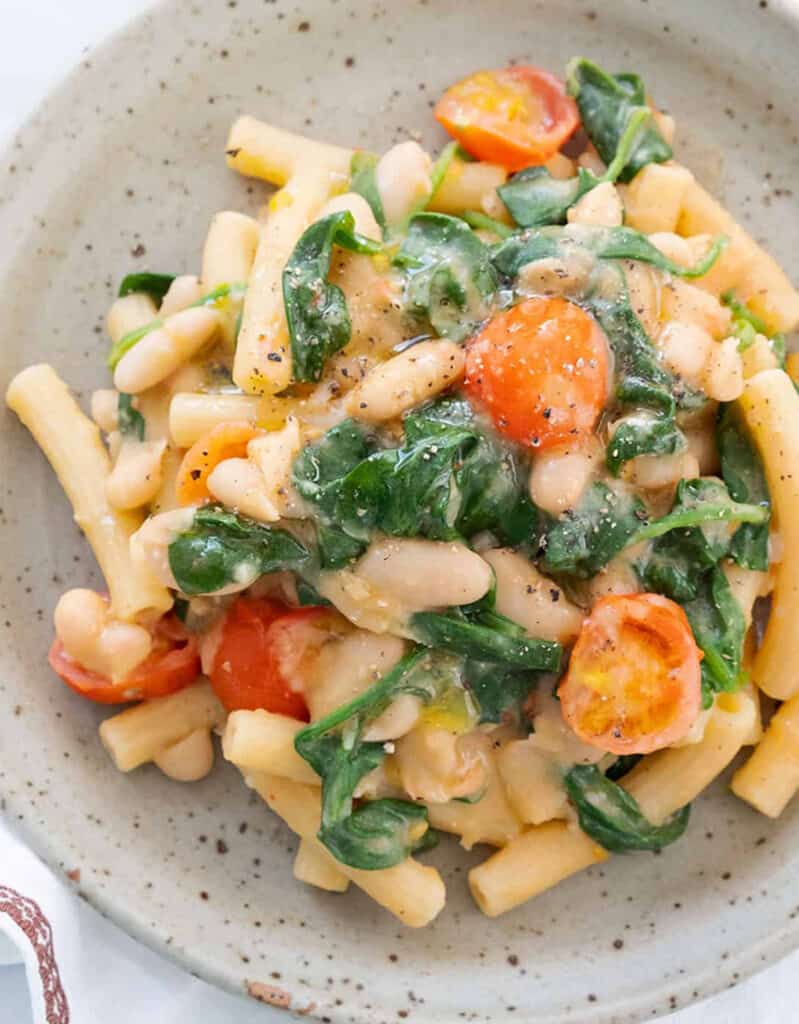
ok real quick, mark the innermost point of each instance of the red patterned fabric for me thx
(27, 915)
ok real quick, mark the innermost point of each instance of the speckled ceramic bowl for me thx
(122, 169)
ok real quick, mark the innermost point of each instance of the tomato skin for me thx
(634, 683)
(173, 664)
(246, 673)
(224, 441)
(515, 116)
(541, 370)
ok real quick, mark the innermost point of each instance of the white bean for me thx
(559, 477)
(229, 250)
(436, 765)
(403, 180)
(347, 666)
(274, 454)
(239, 484)
(128, 314)
(556, 275)
(190, 759)
(759, 356)
(397, 720)
(425, 574)
(645, 291)
(692, 305)
(96, 641)
(365, 223)
(182, 293)
(149, 545)
(393, 387)
(532, 600)
(137, 474)
(651, 472)
(601, 206)
(105, 409)
(685, 349)
(724, 374)
(674, 247)
(165, 349)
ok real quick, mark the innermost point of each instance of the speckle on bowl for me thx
(123, 167)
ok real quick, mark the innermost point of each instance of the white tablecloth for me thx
(124, 981)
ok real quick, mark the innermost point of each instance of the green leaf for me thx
(130, 420)
(363, 180)
(486, 636)
(643, 434)
(611, 817)
(743, 473)
(500, 690)
(450, 282)
(583, 540)
(223, 547)
(482, 222)
(219, 298)
(719, 627)
(707, 503)
(316, 310)
(379, 834)
(621, 766)
(440, 168)
(154, 285)
(605, 102)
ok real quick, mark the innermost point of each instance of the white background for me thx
(40, 41)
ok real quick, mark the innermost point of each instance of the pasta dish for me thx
(455, 493)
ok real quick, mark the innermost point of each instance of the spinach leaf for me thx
(223, 547)
(363, 180)
(534, 197)
(611, 817)
(485, 635)
(379, 833)
(643, 435)
(227, 297)
(482, 222)
(707, 503)
(746, 324)
(744, 476)
(130, 420)
(621, 766)
(440, 168)
(316, 310)
(154, 285)
(583, 540)
(605, 102)
(719, 627)
(499, 690)
(450, 281)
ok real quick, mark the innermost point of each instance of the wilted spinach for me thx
(222, 547)
(605, 102)
(611, 817)
(643, 434)
(154, 285)
(450, 281)
(498, 689)
(316, 309)
(746, 324)
(744, 476)
(129, 419)
(378, 833)
(363, 180)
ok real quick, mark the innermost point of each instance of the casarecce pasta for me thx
(448, 493)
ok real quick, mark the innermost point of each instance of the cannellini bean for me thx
(94, 639)
(347, 666)
(702, 445)
(759, 356)
(105, 409)
(651, 472)
(136, 477)
(618, 577)
(469, 186)
(149, 545)
(425, 574)
(674, 247)
(685, 349)
(274, 454)
(746, 586)
(403, 180)
(653, 199)
(556, 276)
(532, 600)
(239, 484)
(692, 305)
(724, 374)
(533, 781)
(553, 736)
(183, 292)
(229, 250)
(592, 161)
(362, 603)
(436, 765)
(393, 387)
(128, 314)
(190, 759)
(365, 223)
(559, 477)
(601, 206)
(163, 350)
(644, 287)
(397, 720)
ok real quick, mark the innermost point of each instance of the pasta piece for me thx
(144, 732)
(192, 415)
(128, 314)
(314, 865)
(260, 741)
(411, 891)
(263, 356)
(72, 445)
(467, 185)
(770, 777)
(654, 198)
(770, 407)
(260, 150)
(229, 249)
(533, 782)
(744, 265)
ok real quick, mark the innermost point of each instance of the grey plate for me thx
(122, 168)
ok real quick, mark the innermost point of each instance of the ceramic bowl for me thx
(121, 169)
